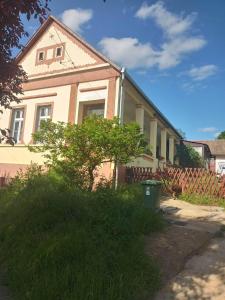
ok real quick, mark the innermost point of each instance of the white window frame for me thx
(20, 119)
(40, 118)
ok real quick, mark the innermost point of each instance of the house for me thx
(217, 149)
(203, 150)
(67, 80)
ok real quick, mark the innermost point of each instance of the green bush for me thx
(66, 244)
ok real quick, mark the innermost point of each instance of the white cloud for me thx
(170, 23)
(76, 18)
(172, 52)
(177, 43)
(203, 72)
(132, 54)
(129, 52)
(208, 129)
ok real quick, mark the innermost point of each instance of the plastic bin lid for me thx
(151, 182)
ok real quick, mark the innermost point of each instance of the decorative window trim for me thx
(43, 55)
(94, 88)
(39, 62)
(24, 107)
(54, 58)
(35, 115)
(61, 53)
(38, 96)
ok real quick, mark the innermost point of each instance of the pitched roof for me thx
(217, 147)
(199, 144)
(42, 28)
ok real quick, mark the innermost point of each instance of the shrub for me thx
(189, 157)
(78, 150)
(60, 243)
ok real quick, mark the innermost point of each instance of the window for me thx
(94, 109)
(17, 124)
(43, 114)
(59, 51)
(41, 56)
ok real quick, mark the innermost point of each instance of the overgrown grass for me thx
(64, 244)
(203, 199)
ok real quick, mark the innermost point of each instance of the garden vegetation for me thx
(78, 150)
(68, 244)
(61, 237)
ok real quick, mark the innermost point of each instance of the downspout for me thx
(120, 113)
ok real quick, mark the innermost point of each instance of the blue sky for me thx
(174, 49)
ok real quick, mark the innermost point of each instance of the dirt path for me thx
(191, 252)
(173, 247)
(203, 276)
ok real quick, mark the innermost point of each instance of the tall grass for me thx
(202, 199)
(64, 244)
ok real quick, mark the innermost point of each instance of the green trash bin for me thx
(152, 189)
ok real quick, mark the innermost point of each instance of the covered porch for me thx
(160, 136)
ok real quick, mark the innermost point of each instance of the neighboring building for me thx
(68, 80)
(217, 149)
(203, 150)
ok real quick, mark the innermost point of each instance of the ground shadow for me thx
(190, 252)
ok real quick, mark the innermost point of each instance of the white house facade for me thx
(67, 80)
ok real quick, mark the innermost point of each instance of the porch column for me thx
(171, 150)
(163, 143)
(140, 116)
(153, 136)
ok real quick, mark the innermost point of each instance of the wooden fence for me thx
(137, 174)
(198, 181)
(192, 181)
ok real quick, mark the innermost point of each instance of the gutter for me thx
(148, 100)
(121, 96)
(120, 114)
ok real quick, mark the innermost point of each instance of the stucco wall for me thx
(60, 98)
(60, 108)
(144, 161)
(19, 154)
(91, 91)
(15, 158)
(75, 55)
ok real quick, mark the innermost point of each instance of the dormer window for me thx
(41, 56)
(59, 51)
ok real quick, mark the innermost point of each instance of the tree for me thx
(78, 150)
(221, 136)
(189, 157)
(11, 31)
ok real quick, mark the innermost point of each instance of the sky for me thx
(174, 50)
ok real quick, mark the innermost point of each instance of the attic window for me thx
(59, 51)
(41, 56)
